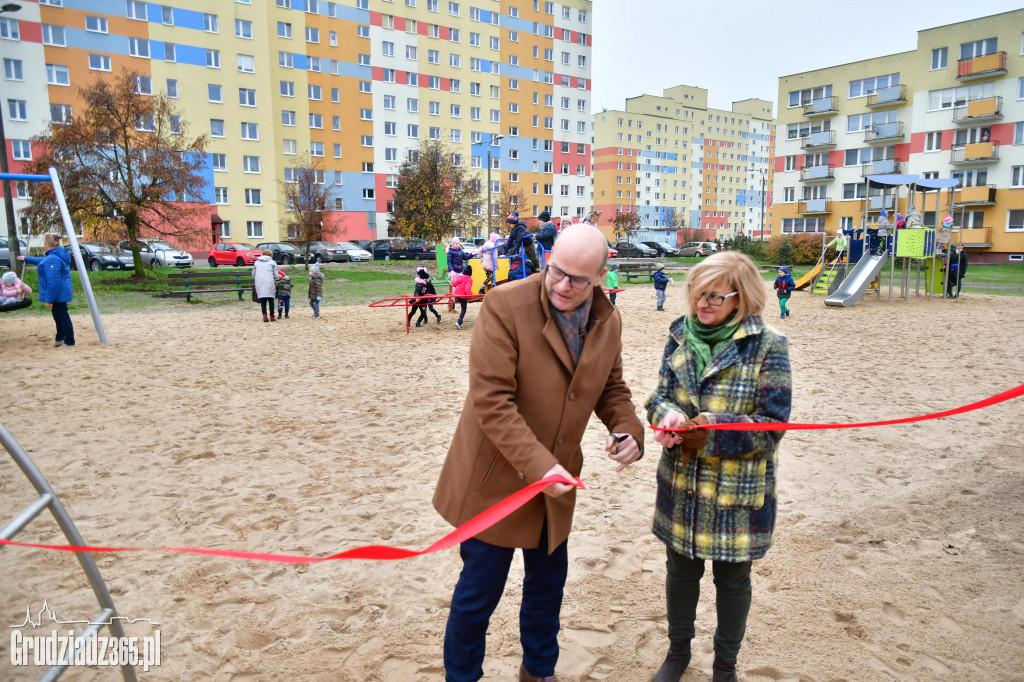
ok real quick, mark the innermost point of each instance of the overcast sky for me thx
(645, 46)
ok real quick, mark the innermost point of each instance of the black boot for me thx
(438, 317)
(676, 662)
(723, 671)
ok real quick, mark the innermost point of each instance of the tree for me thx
(512, 199)
(126, 164)
(434, 198)
(306, 194)
(626, 224)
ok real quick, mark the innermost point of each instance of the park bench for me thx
(633, 271)
(197, 283)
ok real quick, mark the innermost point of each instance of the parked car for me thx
(397, 248)
(363, 244)
(285, 253)
(662, 248)
(5, 253)
(321, 252)
(233, 253)
(355, 253)
(699, 249)
(633, 250)
(613, 252)
(157, 252)
(102, 256)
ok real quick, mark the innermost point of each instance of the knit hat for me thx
(613, 266)
(659, 266)
(784, 268)
(513, 217)
(9, 278)
(885, 213)
(314, 269)
(544, 215)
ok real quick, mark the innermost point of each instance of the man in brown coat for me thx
(545, 355)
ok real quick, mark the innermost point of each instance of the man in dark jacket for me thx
(519, 238)
(546, 235)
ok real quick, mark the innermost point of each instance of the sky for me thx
(645, 46)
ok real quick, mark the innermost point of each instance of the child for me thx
(54, 270)
(424, 291)
(661, 281)
(316, 289)
(613, 281)
(283, 286)
(463, 289)
(840, 242)
(13, 290)
(784, 285)
(489, 260)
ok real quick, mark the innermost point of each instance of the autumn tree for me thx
(511, 199)
(626, 224)
(435, 197)
(127, 165)
(306, 195)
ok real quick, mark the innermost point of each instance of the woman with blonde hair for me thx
(716, 489)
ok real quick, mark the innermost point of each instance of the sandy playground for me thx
(898, 552)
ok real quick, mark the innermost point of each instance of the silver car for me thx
(354, 252)
(158, 253)
(5, 253)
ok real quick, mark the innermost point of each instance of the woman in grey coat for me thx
(263, 273)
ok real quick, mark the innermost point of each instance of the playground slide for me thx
(804, 281)
(852, 288)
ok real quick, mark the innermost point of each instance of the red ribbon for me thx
(474, 526)
(791, 426)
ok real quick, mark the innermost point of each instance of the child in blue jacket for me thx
(54, 270)
(661, 281)
(784, 286)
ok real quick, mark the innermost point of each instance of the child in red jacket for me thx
(463, 289)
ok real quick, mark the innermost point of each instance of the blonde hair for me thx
(51, 238)
(739, 271)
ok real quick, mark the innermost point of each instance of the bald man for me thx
(545, 355)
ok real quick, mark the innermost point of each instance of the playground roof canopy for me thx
(914, 182)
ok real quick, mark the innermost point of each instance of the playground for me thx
(897, 554)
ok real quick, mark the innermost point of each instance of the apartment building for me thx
(951, 108)
(678, 163)
(355, 84)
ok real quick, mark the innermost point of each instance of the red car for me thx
(612, 253)
(233, 253)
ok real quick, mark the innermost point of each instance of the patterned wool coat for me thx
(720, 504)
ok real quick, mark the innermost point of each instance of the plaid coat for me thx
(720, 504)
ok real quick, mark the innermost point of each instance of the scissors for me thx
(618, 440)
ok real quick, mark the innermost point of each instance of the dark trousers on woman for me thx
(481, 583)
(61, 318)
(267, 306)
(732, 601)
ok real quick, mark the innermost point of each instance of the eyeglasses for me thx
(713, 298)
(556, 275)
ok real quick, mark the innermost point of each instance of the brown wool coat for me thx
(526, 410)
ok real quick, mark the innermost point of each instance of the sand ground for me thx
(898, 550)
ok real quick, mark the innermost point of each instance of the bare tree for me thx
(626, 225)
(306, 195)
(512, 199)
(126, 164)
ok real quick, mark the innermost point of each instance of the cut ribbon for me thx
(474, 526)
(792, 426)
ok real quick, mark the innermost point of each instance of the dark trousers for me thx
(267, 306)
(732, 600)
(481, 583)
(284, 304)
(611, 297)
(315, 305)
(462, 308)
(61, 318)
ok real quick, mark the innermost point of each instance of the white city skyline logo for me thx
(52, 615)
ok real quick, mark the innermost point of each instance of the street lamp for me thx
(764, 181)
(490, 143)
(12, 228)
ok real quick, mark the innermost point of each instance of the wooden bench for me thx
(636, 271)
(198, 282)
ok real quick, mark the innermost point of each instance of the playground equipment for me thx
(907, 240)
(70, 231)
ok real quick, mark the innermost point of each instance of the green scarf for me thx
(702, 340)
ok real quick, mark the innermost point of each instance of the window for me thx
(336, 122)
(22, 150)
(456, 111)
(366, 140)
(1017, 176)
(247, 97)
(455, 61)
(315, 92)
(246, 63)
(390, 154)
(216, 127)
(290, 147)
(434, 108)
(868, 86)
(799, 98)
(99, 62)
(368, 193)
(364, 60)
(170, 52)
(387, 48)
(316, 121)
(243, 29)
(287, 89)
(138, 47)
(410, 52)
(94, 24)
(939, 56)
(1018, 132)
(453, 9)
(364, 86)
(434, 133)
(954, 97)
(454, 35)
(1015, 220)
(933, 141)
(977, 48)
(250, 131)
(366, 114)
(253, 197)
(434, 83)
(220, 162)
(284, 29)
(413, 130)
(220, 196)
(254, 229)
(316, 148)
(56, 74)
(312, 35)
(213, 58)
(412, 105)
(210, 24)
(60, 113)
(136, 9)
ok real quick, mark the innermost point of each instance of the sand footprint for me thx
(895, 615)
(623, 563)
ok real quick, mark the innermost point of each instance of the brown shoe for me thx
(524, 676)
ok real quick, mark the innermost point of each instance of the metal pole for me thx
(489, 227)
(83, 274)
(12, 227)
(764, 179)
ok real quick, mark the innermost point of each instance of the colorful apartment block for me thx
(356, 85)
(677, 163)
(951, 108)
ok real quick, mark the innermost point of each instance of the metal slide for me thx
(852, 288)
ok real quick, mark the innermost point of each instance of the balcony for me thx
(882, 167)
(817, 174)
(978, 152)
(976, 237)
(819, 140)
(884, 132)
(887, 97)
(815, 207)
(980, 67)
(878, 202)
(988, 109)
(982, 195)
(826, 106)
